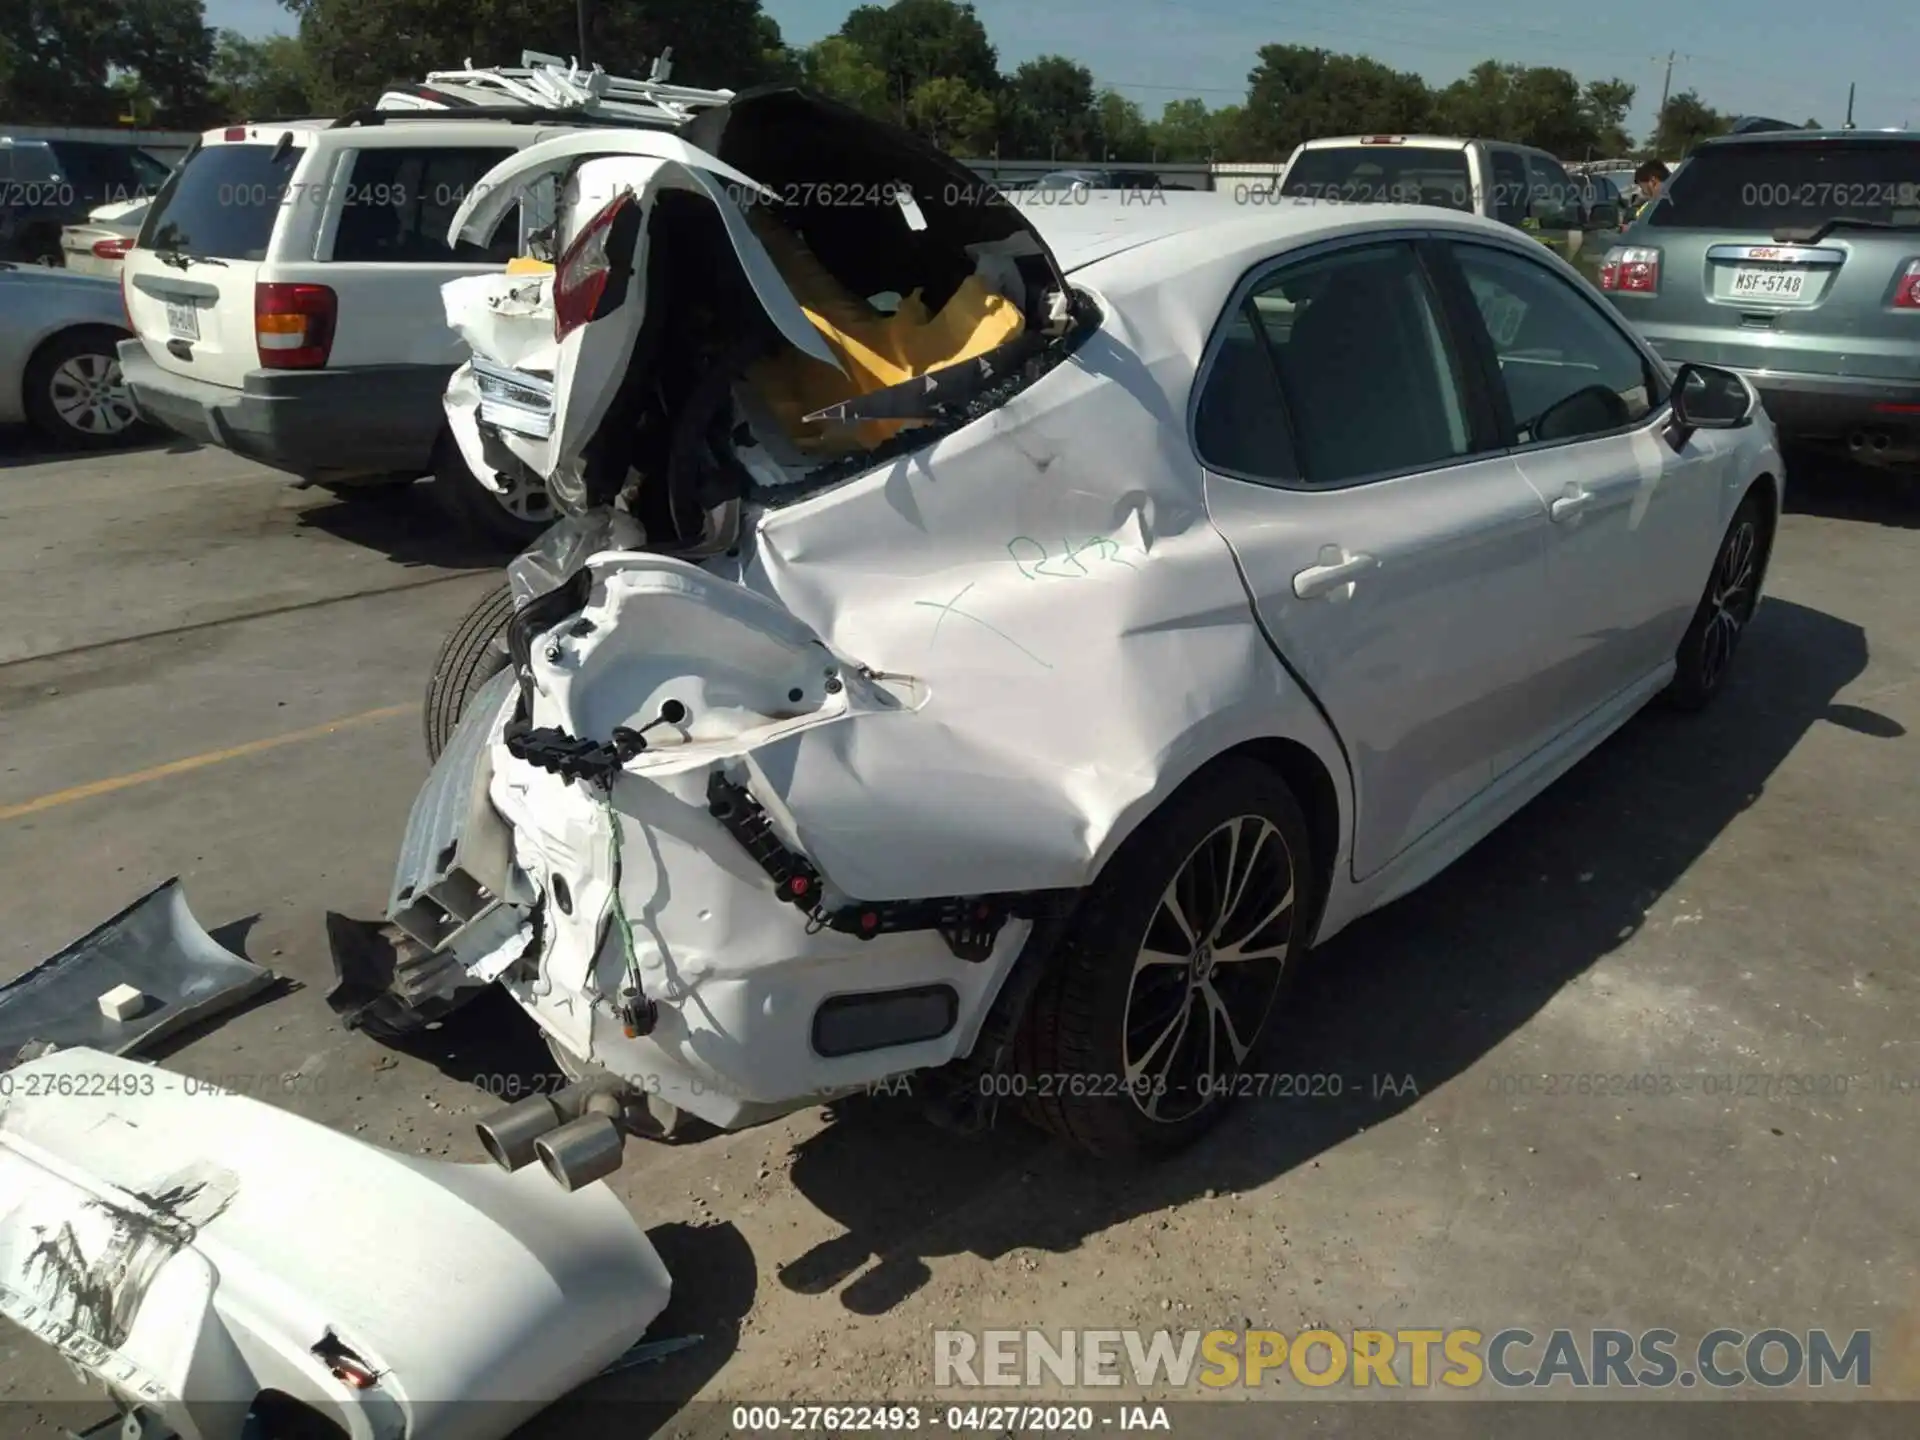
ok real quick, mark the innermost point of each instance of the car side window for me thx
(1509, 187)
(1334, 370)
(398, 204)
(1567, 370)
(1551, 198)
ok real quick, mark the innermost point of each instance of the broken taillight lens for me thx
(1906, 290)
(580, 276)
(1633, 269)
(293, 325)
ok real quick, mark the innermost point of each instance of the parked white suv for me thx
(285, 295)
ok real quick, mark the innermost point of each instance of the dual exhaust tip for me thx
(574, 1133)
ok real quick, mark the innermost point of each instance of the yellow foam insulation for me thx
(527, 265)
(876, 348)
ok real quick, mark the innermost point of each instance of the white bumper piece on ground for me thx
(191, 1249)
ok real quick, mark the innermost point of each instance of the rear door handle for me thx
(1336, 568)
(1569, 504)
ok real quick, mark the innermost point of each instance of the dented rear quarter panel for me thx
(1049, 574)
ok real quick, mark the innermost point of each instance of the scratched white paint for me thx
(455, 1282)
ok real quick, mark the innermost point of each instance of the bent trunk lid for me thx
(883, 211)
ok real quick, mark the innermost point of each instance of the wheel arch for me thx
(1309, 771)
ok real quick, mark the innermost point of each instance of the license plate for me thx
(1773, 284)
(183, 320)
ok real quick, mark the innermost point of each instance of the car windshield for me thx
(1767, 187)
(222, 202)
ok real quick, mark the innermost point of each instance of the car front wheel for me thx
(1140, 1034)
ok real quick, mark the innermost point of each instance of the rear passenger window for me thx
(1567, 370)
(1333, 371)
(1510, 186)
(398, 204)
(1551, 198)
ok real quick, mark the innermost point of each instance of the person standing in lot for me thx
(1647, 179)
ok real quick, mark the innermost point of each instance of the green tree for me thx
(1812, 124)
(85, 63)
(1185, 131)
(836, 66)
(1233, 137)
(265, 79)
(953, 115)
(167, 44)
(1050, 112)
(1120, 130)
(358, 49)
(1607, 103)
(1296, 93)
(1536, 105)
(914, 41)
(1684, 121)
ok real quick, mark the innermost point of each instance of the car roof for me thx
(1767, 138)
(1170, 274)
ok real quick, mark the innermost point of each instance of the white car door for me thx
(1634, 522)
(1394, 552)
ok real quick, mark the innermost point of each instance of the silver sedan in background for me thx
(58, 369)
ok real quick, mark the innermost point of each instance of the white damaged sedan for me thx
(993, 643)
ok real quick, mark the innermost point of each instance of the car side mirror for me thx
(1705, 397)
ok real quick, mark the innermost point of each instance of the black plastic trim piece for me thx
(970, 924)
(881, 1019)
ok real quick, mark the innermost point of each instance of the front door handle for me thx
(1336, 569)
(1569, 504)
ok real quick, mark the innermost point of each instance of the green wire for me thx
(614, 901)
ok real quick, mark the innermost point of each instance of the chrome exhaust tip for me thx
(581, 1151)
(508, 1136)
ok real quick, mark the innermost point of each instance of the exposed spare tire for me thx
(473, 654)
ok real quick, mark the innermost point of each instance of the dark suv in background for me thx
(1793, 257)
(46, 185)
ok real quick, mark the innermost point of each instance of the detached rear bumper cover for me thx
(190, 1249)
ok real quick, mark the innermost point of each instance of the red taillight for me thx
(1906, 292)
(293, 325)
(235, 132)
(581, 274)
(111, 249)
(1631, 269)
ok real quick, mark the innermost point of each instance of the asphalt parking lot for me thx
(205, 673)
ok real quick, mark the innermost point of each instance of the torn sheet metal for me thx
(962, 674)
(154, 946)
(189, 1249)
(451, 927)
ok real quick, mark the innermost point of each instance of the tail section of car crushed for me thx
(985, 636)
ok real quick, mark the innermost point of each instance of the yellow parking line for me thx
(195, 762)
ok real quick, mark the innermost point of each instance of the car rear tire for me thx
(75, 394)
(472, 655)
(510, 522)
(1177, 957)
(1726, 605)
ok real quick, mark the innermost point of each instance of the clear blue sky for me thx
(1747, 56)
